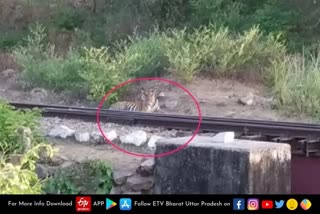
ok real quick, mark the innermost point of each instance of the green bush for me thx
(183, 54)
(102, 72)
(223, 13)
(68, 18)
(296, 83)
(19, 176)
(89, 177)
(137, 57)
(144, 56)
(217, 51)
(10, 122)
(9, 40)
(43, 68)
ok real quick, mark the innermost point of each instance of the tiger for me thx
(148, 102)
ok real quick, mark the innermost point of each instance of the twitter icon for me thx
(279, 204)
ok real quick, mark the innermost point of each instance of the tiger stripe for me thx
(148, 102)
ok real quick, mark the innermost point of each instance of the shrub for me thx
(296, 83)
(9, 40)
(223, 13)
(10, 122)
(144, 56)
(250, 51)
(102, 72)
(69, 18)
(136, 57)
(183, 54)
(19, 177)
(43, 68)
(22, 178)
(215, 50)
(89, 177)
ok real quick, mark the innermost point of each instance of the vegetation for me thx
(296, 83)
(91, 47)
(95, 45)
(22, 147)
(17, 158)
(89, 177)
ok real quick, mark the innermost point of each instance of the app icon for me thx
(292, 204)
(110, 203)
(238, 204)
(305, 204)
(253, 204)
(267, 204)
(83, 204)
(125, 204)
(279, 204)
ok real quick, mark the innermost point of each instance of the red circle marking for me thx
(149, 155)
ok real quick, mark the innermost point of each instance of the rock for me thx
(97, 137)
(137, 138)
(115, 191)
(39, 93)
(15, 159)
(171, 104)
(111, 135)
(120, 176)
(152, 141)
(224, 137)
(66, 164)
(58, 159)
(146, 168)
(8, 73)
(182, 134)
(138, 183)
(161, 94)
(82, 137)
(43, 171)
(61, 131)
(221, 104)
(247, 100)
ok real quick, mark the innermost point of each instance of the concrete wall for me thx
(212, 167)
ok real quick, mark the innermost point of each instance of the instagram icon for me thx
(253, 204)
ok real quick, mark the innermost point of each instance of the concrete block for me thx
(210, 167)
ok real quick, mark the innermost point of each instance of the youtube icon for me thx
(267, 204)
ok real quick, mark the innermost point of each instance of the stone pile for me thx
(139, 181)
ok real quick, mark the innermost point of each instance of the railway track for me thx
(304, 138)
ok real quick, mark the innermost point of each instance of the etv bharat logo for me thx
(83, 204)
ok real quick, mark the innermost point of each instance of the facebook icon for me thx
(238, 204)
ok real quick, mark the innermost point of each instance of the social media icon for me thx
(110, 204)
(253, 204)
(238, 204)
(83, 204)
(305, 204)
(279, 204)
(292, 204)
(267, 204)
(125, 204)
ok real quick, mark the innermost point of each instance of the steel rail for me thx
(208, 124)
(106, 111)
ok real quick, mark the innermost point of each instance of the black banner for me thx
(146, 203)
